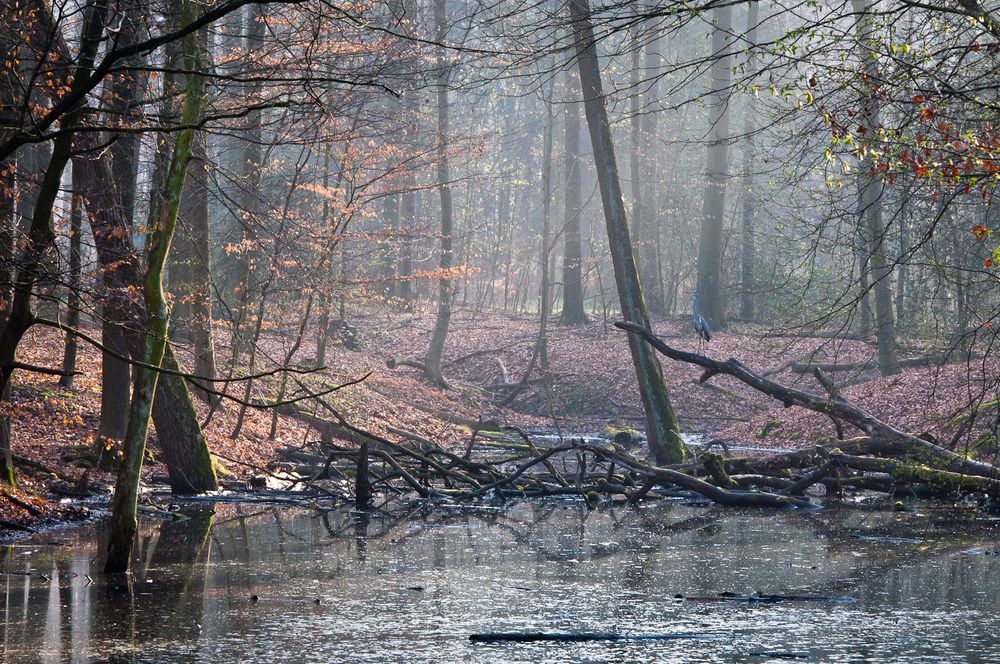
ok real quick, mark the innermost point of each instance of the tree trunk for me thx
(408, 221)
(544, 304)
(389, 255)
(662, 430)
(748, 254)
(643, 169)
(116, 381)
(7, 234)
(10, 111)
(572, 311)
(40, 238)
(73, 298)
(250, 196)
(116, 375)
(432, 361)
(178, 431)
(200, 322)
(904, 213)
(870, 207)
(716, 172)
(123, 517)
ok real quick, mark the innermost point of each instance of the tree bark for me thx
(748, 253)
(716, 172)
(662, 430)
(572, 311)
(200, 322)
(116, 381)
(73, 297)
(870, 203)
(10, 36)
(123, 516)
(250, 196)
(116, 375)
(432, 361)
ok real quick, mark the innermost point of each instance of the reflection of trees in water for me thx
(194, 571)
(165, 597)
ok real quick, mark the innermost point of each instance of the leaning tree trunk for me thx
(870, 204)
(432, 361)
(123, 517)
(178, 431)
(716, 172)
(662, 430)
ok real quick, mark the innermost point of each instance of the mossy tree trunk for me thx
(123, 520)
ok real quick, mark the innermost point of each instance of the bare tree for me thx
(662, 430)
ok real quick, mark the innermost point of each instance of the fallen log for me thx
(729, 498)
(528, 637)
(763, 598)
(908, 363)
(941, 481)
(883, 437)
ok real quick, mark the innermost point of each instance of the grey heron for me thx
(701, 326)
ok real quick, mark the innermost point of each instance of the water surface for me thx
(412, 586)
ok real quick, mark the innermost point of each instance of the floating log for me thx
(528, 637)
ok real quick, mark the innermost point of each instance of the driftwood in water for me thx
(528, 637)
(762, 598)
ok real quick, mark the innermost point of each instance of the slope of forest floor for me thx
(590, 387)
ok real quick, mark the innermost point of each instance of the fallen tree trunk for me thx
(883, 438)
(909, 363)
(529, 637)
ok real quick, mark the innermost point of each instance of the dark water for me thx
(545, 566)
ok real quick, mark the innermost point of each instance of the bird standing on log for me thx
(701, 326)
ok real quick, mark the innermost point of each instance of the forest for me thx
(714, 269)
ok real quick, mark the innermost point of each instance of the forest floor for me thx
(591, 388)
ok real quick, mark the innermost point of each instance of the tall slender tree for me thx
(870, 200)
(716, 171)
(432, 361)
(749, 194)
(572, 274)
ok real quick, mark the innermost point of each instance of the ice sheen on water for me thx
(413, 587)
